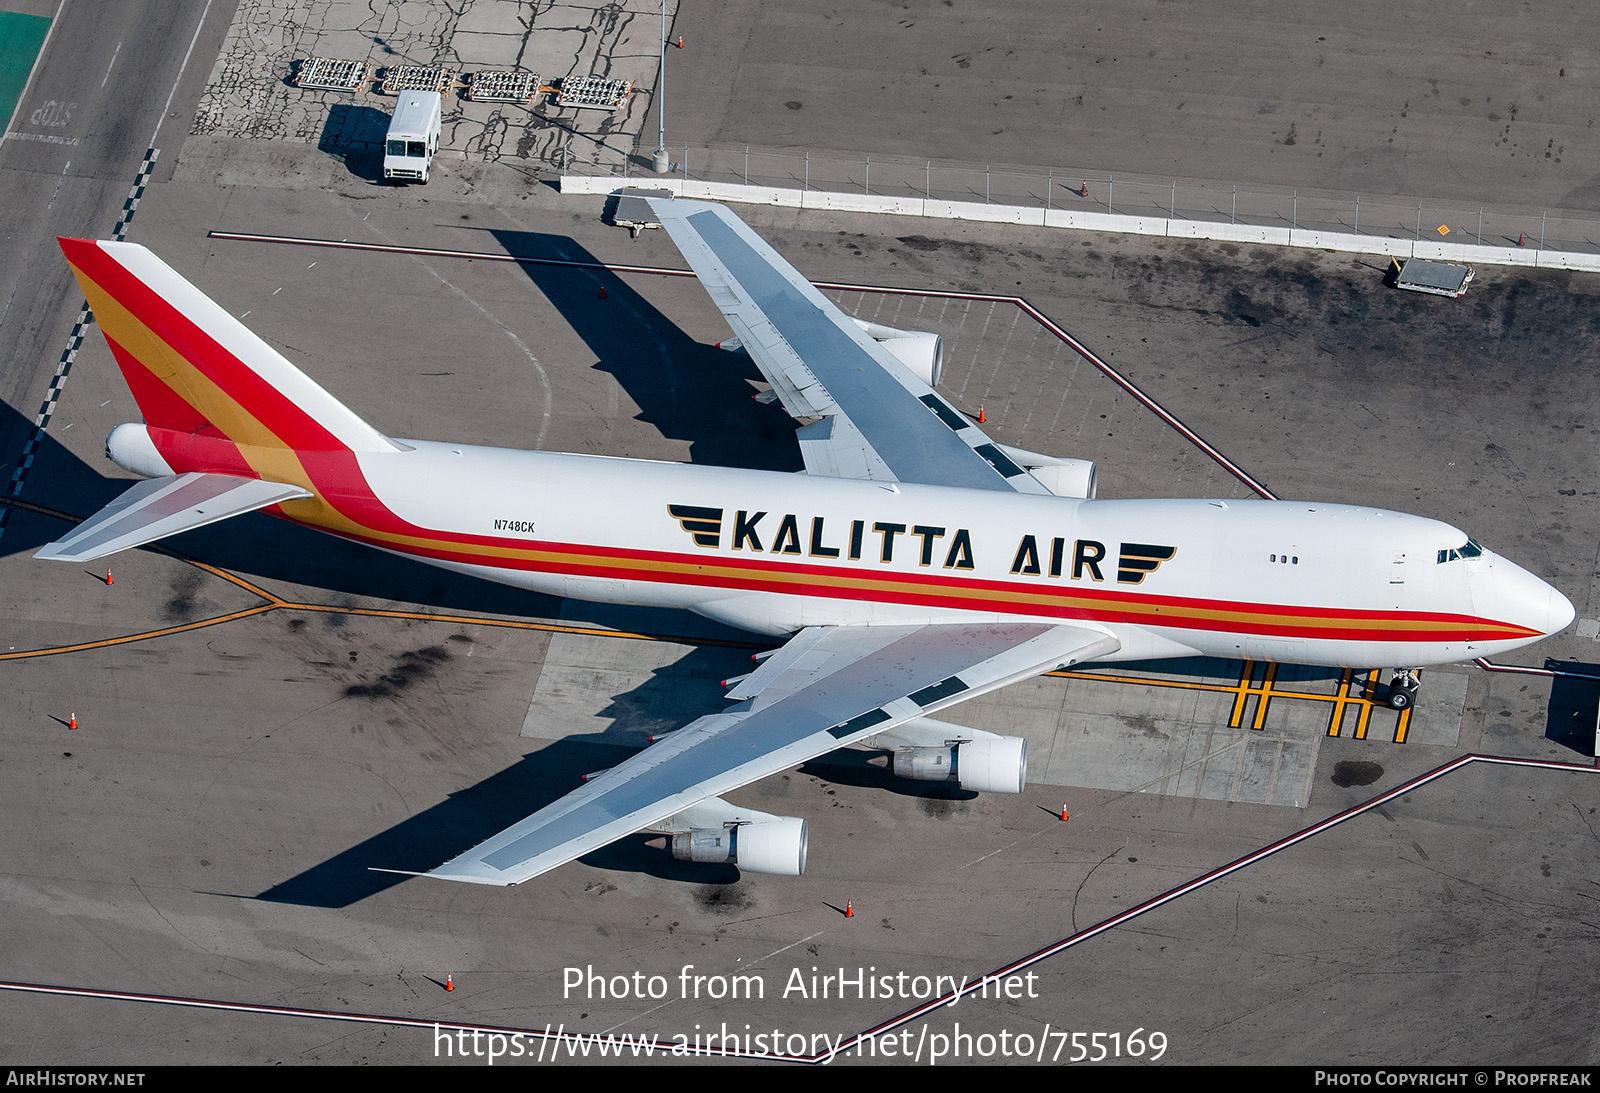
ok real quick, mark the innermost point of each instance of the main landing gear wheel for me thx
(1403, 689)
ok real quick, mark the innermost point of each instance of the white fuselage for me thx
(773, 552)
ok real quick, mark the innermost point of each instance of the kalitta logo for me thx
(784, 535)
(702, 523)
(1085, 557)
(1139, 559)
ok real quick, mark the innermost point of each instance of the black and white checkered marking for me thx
(74, 343)
(136, 193)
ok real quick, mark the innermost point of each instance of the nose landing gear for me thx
(1403, 689)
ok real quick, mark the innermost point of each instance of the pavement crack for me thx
(1079, 890)
(1585, 821)
(158, 912)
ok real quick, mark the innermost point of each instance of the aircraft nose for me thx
(1561, 613)
(1512, 594)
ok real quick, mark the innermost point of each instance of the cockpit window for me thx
(1470, 549)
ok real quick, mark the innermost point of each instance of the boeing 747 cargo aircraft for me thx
(916, 564)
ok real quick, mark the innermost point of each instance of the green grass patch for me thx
(21, 37)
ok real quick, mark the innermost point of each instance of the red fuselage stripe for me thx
(929, 590)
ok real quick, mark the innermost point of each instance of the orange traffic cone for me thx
(72, 720)
(980, 413)
(1085, 191)
(849, 910)
(1063, 812)
(602, 292)
(449, 982)
(1521, 238)
(680, 41)
(109, 581)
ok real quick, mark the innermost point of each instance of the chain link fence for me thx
(1081, 190)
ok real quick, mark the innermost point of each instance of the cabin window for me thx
(397, 147)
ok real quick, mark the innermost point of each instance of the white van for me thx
(413, 135)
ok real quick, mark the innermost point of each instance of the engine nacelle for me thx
(990, 764)
(774, 846)
(1069, 478)
(918, 350)
(1062, 477)
(993, 764)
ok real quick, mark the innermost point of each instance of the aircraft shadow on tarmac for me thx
(58, 479)
(1218, 670)
(473, 814)
(871, 770)
(687, 390)
(673, 695)
(682, 691)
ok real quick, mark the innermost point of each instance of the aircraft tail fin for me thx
(194, 368)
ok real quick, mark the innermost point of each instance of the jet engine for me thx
(775, 846)
(989, 764)
(1062, 477)
(918, 350)
(1068, 478)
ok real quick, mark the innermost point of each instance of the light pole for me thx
(658, 162)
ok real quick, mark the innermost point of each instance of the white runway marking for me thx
(109, 67)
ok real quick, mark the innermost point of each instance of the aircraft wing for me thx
(828, 687)
(159, 507)
(877, 419)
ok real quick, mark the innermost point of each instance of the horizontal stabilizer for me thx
(165, 506)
